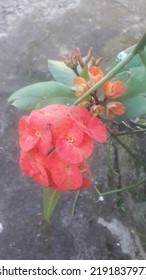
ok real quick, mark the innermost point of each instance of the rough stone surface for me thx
(109, 228)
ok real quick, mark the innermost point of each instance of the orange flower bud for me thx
(95, 74)
(113, 90)
(115, 108)
(89, 55)
(79, 81)
(81, 85)
(97, 110)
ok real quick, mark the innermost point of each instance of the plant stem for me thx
(138, 48)
(97, 190)
(126, 188)
(140, 45)
(108, 146)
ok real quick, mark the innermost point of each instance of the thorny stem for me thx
(138, 48)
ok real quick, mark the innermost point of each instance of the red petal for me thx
(32, 163)
(86, 147)
(91, 125)
(96, 129)
(86, 182)
(35, 132)
(68, 180)
(27, 165)
(27, 142)
(45, 142)
(66, 128)
(54, 112)
(66, 177)
(37, 121)
(41, 177)
(23, 124)
(69, 152)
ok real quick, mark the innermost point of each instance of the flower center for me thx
(70, 139)
(66, 167)
(37, 134)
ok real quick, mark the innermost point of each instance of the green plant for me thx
(86, 100)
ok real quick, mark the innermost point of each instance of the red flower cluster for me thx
(55, 143)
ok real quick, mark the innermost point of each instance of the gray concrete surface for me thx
(30, 33)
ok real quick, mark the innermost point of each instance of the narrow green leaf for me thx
(108, 151)
(50, 198)
(125, 188)
(134, 156)
(41, 94)
(75, 203)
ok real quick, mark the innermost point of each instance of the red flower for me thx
(55, 143)
(67, 177)
(89, 124)
(113, 90)
(54, 112)
(32, 163)
(70, 141)
(115, 108)
(35, 133)
(86, 147)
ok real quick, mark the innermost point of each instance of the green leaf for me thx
(61, 72)
(84, 74)
(41, 94)
(134, 97)
(143, 57)
(50, 198)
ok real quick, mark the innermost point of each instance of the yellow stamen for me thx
(70, 139)
(37, 133)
